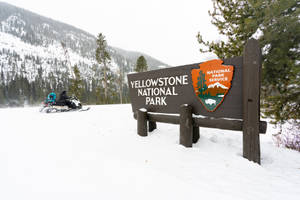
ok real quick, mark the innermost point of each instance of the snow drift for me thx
(98, 155)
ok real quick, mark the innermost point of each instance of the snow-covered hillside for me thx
(25, 34)
(38, 55)
(52, 58)
(43, 49)
(98, 155)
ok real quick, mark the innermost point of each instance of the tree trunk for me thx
(105, 84)
(120, 86)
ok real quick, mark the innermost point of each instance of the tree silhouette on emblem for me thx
(201, 83)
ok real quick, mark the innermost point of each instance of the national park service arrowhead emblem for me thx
(212, 82)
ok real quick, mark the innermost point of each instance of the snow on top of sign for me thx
(143, 109)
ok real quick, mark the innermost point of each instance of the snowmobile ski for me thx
(84, 109)
(58, 110)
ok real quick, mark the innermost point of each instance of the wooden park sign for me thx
(221, 94)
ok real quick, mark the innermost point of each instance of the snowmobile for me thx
(50, 105)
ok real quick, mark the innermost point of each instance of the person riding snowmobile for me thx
(64, 99)
(63, 104)
(63, 96)
(51, 98)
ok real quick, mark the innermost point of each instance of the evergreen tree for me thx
(111, 89)
(141, 64)
(277, 27)
(120, 84)
(2, 89)
(2, 95)
(77, 85)
(103, 57)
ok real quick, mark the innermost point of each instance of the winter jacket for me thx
(51, 97)
(63, 96)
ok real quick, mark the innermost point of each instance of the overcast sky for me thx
(163, 29)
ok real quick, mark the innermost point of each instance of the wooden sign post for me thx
(251, 100)
(225, 93)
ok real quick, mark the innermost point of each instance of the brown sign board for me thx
(226, 92)
(165, 90)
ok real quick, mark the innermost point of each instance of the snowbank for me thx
(98, 155)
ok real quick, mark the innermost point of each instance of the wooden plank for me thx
(186, 126)
(251, 100)
(170, 119)
(226, 124)
(234, 125)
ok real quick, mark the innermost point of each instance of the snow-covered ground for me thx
(98, 155)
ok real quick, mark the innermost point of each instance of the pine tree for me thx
(2, 96)
(76, 85)
(120, 84)
(277, 27)
(201, 83)
(141, 64)
(2, 89)
(103, 57)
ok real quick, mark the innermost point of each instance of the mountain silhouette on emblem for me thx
(217, 85)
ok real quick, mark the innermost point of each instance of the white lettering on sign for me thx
(164, 91)
(157, 90)
(160, 82)
(218, 71)
(156, 101)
